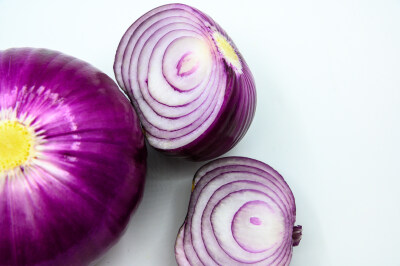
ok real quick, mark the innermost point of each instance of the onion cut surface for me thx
(241, 212)
(72, 159)
(193, 91)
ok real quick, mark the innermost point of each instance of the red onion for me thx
(193, 91)
(72, 159)
(241, 211)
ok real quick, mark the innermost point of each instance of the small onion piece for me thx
(72, 159)
(193, 91)
(241, 212)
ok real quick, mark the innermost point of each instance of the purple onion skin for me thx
(239, 102)
(74, 200)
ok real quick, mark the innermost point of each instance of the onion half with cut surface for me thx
(72, 159)
(193, 91)
(241, 212)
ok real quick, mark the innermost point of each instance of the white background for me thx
(328, 84)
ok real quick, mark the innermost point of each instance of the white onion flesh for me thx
(193, 91)
(241, 211)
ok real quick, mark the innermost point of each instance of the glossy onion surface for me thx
(73, 159)
(241, 212)
(193, 91)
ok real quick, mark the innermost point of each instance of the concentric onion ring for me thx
(193, 91)
(241, 211)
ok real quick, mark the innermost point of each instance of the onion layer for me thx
(72, 159)
(241, 211)
(193, 91)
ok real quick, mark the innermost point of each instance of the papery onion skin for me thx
(224, 192)
(73, 198)
(230, 107)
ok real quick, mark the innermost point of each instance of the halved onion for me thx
(72, 159)
(192, 89)
(241, 212)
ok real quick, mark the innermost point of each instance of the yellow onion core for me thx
(227, 50)
(16, 144)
